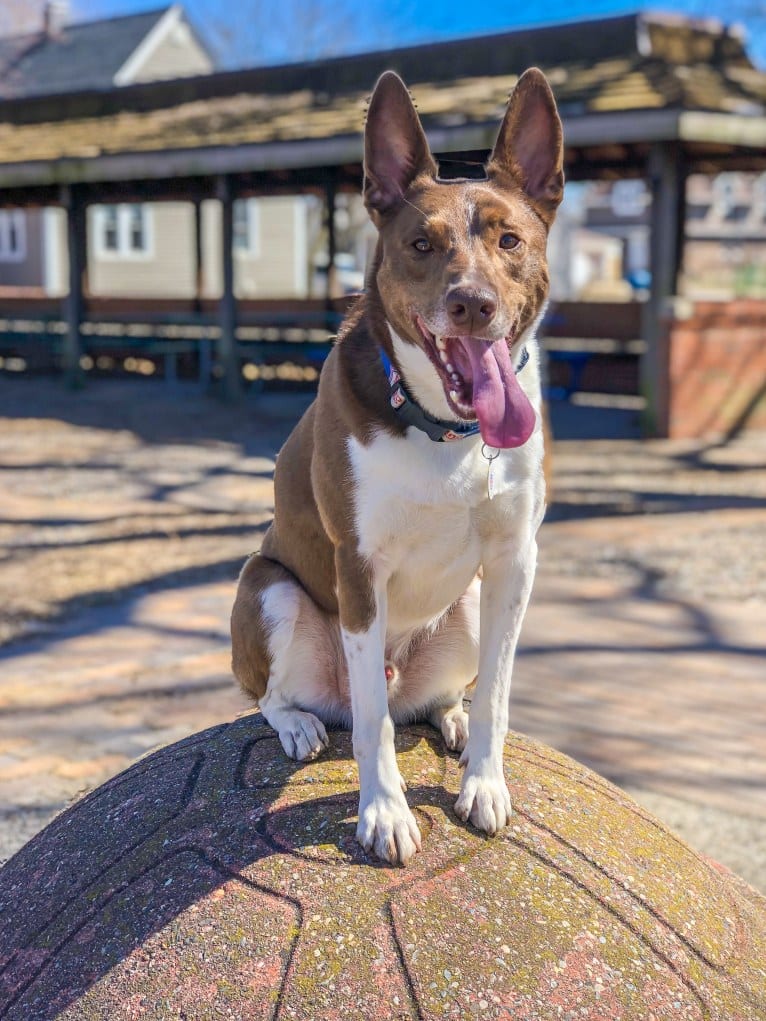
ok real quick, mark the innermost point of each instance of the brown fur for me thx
(251, 661)
(411, 280)
(313, 530)
(312, 535)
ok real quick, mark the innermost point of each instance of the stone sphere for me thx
(218, 879)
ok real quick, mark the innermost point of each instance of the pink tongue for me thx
(506, 418)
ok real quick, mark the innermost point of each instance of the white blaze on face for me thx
(470, 213)
(465, 239)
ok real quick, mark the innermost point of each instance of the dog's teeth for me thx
(440, 344)
(449, 366)
(453, 395)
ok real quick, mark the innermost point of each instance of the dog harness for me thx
(410, 412)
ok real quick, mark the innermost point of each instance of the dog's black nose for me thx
(471, 309)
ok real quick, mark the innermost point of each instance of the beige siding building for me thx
(271, 247)
(148, 250)
(142, 250)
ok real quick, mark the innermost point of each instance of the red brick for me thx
(716, 367)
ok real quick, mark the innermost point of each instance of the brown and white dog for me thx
(401, 556)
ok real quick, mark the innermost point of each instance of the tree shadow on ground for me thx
(258, 422)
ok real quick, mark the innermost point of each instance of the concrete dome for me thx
(216, 878)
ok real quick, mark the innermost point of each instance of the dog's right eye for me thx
(422, 245)
(509, 242)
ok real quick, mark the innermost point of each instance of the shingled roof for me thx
(609, 76)
(79, 57)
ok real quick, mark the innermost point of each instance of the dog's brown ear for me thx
(395, 146)
(529, 146)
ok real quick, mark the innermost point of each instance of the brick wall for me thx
(717, 369)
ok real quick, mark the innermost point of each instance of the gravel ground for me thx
(129, 488)
(124, 487)
(129, 485)
(716, 550)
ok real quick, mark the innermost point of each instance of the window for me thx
(759, 197)
(246, 226)
(110, 229)
(724, 194)
(629, 198)
(123, 231)
(137, 226)
(13, 235)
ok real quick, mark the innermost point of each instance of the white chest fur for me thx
(422, 514)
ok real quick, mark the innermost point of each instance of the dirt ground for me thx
(146, 496)
(128, 485)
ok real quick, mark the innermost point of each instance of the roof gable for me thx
(173, 24)
(85, 56)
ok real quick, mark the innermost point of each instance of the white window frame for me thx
(252, 246)
(123, 249)
(629, 198)
(724, 197)
(17, 218)
(759, 197)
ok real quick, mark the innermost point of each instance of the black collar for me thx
(410, 412)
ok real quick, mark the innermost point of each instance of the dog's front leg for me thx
(387, 827)
(508, 573)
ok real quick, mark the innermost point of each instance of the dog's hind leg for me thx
(283, 653)
(452, 721)
(302, 734)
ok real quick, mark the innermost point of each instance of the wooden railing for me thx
(592, 347)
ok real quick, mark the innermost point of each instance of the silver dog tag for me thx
(490, 455)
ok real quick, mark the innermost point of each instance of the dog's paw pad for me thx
(484, 802)
(388, 831)
(303, 735)
(454, 727)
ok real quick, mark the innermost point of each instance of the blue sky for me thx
(253, 32)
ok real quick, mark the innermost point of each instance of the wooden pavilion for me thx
(640, 95)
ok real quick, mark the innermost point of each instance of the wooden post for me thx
(331, 191)
(73, 200)
(198, 268)
(204, 358)
(228, 355)
(667, 182)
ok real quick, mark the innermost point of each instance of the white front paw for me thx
(484, 800)
(387, 828)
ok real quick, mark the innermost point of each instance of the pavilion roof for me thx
(628, 80)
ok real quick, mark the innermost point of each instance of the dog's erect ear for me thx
(395, 146)
(529, 146)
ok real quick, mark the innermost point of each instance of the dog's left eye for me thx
(509, 242)
(422, 245)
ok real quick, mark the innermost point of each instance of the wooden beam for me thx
(743, 130)
(228, 356)
(73, 201)
(667, 182)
